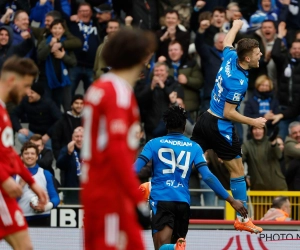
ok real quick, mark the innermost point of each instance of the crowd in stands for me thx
(67, 38)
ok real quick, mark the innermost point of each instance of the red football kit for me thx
(11, 218)
(110, 186)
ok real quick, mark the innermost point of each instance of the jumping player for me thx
(17, 75)
(215, 130)
(172, 159)
(110, 192)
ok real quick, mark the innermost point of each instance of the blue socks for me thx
(167, 247)
(239, 190)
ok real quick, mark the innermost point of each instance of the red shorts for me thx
(11, 217)
(108, 226)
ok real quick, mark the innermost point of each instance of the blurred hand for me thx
(53, 41)
(128, 20)
(237, 15)
(200, 4)
(9, 12)
(56, 46)
(237, 24)
(182, 79)
(13, 189)
(238, 206)
(204, 24)
(24, 131)
(45, 138)
(282, 30)
(297, 145)
(172, 32)
(173, 97)
(74, 18)
(39, 208)
(285, 2)
(42, 2)
(259, 122)
(269, 115)
(276, 118)
(25, 35)
(41, 194)
(59, 53)
(161, 59)
(71, 147)
(164, 36)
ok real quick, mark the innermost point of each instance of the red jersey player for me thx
(110, 193)
(17, 75)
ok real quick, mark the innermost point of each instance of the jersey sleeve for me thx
(53, 195)
(144, 157)
(229, 53)
(4, 174)
(236, 91)
(24, 172)
(200, 160)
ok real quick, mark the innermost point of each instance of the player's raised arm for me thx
(229, 38)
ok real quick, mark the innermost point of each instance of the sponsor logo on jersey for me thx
(132, 139)
(177, 143)
(94, 95)
(227, 68)
(242, 81)
(7, 137)
(236, 97)
(118, 126)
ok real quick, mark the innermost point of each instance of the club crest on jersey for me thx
(7, 137)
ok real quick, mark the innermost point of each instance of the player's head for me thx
(29, 154)
(175, 119)
(129, 48)
(17, 75)
(248, 52)
(282, 202)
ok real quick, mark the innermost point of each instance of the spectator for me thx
(158, 95)
(99, 64)
(262, 156)
(41, 114)
(20, 27)
(232, 13)
(170, 33)
(6, 47)
(56, 65)
(14, 5)
(267, 10)
(37, 215)
(263, 103)
(216, 25)
(280, 210)
(292, 20)
(45, 156)
(288, 69)
(292, 156)
(69, 161)
(64, 127)
(211, 59)
(38, 13)
(188, 75)
(85, 28)
(71, 42)
(103, 15)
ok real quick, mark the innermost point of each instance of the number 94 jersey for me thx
(230, 85)
(172, 159)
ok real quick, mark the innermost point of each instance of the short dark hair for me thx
(221, 9)
(279, 201)
(269, 21)
(173, 12)
(28, 145)
(175, 118)
(128, 47)
(35, 137)
(175, 42)
(246, 46)
(20, 66)
(84, 4)
(55, 14)
(113, 20)
(58, 21)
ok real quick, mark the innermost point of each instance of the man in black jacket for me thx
(64, 127)
(41, 114)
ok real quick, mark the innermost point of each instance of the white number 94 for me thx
(171, 160)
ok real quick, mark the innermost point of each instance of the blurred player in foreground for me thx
(17, 75)
(172, 159)
(110, 194)
(215, 129)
